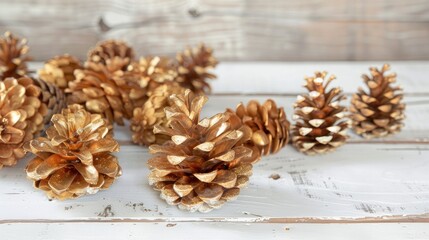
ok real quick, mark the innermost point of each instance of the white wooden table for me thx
(368, 189)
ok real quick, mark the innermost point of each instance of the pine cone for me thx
(75, 158)
(268, 123)
(19, 118)
(200, 168)
(149, 73)
(59, 70)
(52, 98)
(194, 66)
(104, 90)
(379, 112)
(321, 122)
(110, 49)
(13, 59)
(151, 114)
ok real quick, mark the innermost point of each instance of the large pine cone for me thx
(200, 168)
(379, 112)
(75, 158)
(269, 125)
(13, 59)
(151, 114)
(110, 49)
(194, 66)
(60, 70)
(19, 118)
(104, 90)
(321, 122)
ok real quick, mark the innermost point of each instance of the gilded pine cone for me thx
(13, 59)
(268, 123)
(152, 114)
(60, 70)
(321, 122)
(200, 168)
(194, 68)
(148, 74)
(103, 89)
(75, 158)
(19, 118)
(380, 111)
(110, 49)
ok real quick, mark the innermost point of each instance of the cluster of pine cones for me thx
(198, 163)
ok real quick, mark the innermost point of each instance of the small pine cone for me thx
(152, 113)
(75, 158)
(379, 112)
(103, 90)
(200, 168)
(59, 70)
(269, 125)
(149, 73)
(19, 118)
(110, 49)
(13, 59)
(321, 123)
(194, 66)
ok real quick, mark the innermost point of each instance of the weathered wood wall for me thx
(238, 29)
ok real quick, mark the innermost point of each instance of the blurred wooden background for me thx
(239, 30)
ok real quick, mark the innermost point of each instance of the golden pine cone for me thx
(379, 112)
(13, 59)
(110, 49)
(152, 113)
(103, 89)
(149, 73)
(321, 122)
(269, 125)
(19, 118)
(75, 158)
(59, 70)
(200, 168)
(194, 66)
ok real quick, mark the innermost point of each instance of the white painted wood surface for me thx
(375, 189)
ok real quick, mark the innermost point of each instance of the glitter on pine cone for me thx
(321, 122)
(152, 113)
(200, 168)
(60, 70)
(380, 111)
(269, 125)
(194, 68)
(110, 49)
(75, 158)
(103, 89)
(19, 118)
(13, 59)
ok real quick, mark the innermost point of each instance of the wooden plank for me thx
(238, 30)
(188, 231)
(357, 183)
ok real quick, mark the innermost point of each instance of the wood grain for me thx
(238, 30)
